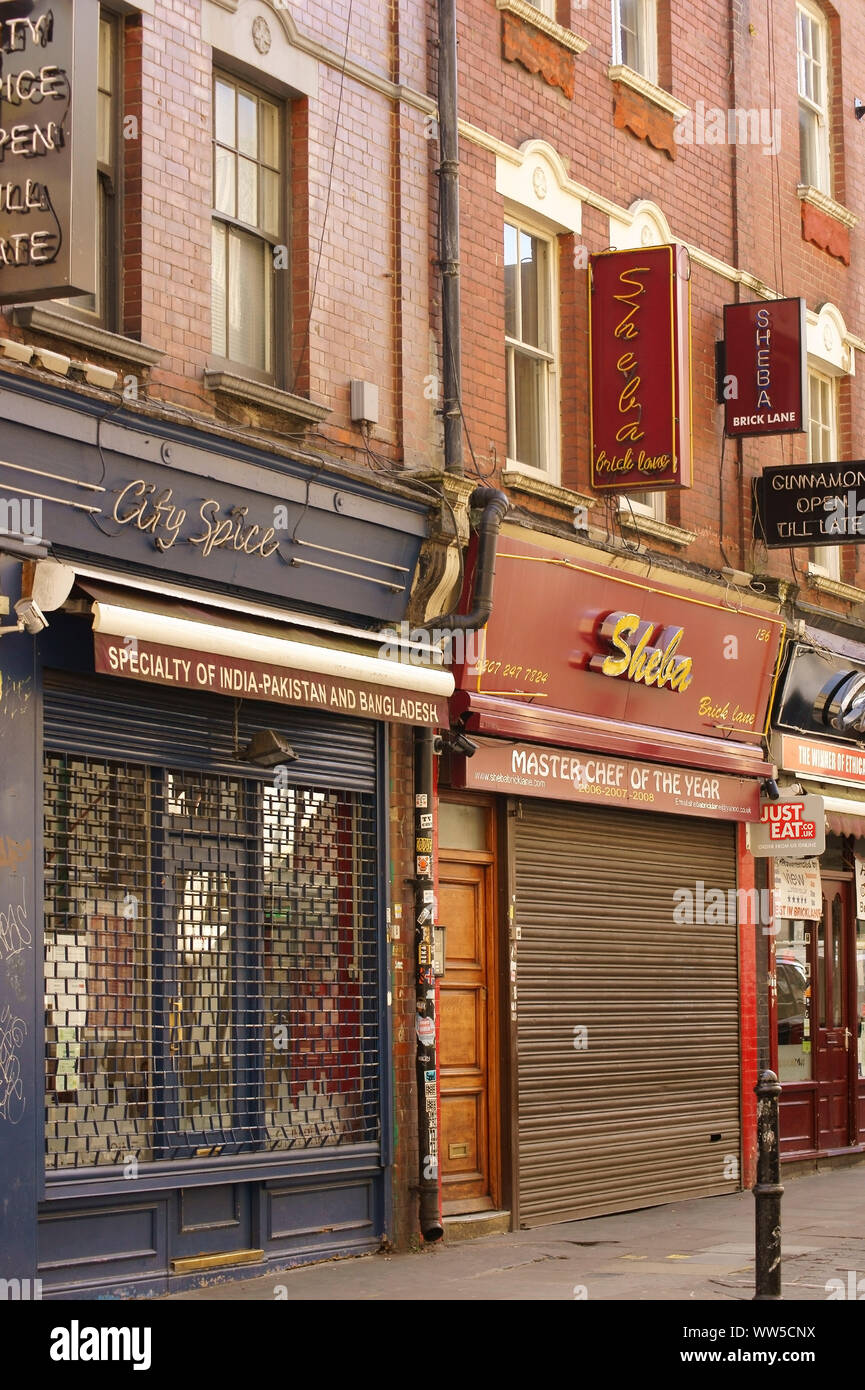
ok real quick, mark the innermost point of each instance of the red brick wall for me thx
(369, 262)
(731, 201)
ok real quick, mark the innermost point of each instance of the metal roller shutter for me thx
(213, 952)
(101, 714)
(648, 1111)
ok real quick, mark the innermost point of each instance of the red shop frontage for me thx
(817, 984)
(598, 1007)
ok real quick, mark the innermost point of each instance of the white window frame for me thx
(551, 356)
(649, 504)
(277, 326)
(825, 560)
(546, 7)
(102, 308)
(647, 38)
(817, 110)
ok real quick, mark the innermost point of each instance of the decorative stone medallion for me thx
(261, 34)
(539, 182)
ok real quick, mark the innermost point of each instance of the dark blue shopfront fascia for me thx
(167, 917)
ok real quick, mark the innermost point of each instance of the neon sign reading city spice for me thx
(154, 512)
(640, 369)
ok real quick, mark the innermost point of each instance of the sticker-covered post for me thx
(21, 986)
(425, 998)
(768, 1190)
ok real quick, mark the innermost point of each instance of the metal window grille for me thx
(210, 964)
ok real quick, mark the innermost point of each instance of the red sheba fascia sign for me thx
(640, 368)
(765, 367)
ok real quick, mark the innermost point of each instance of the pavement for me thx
(697, 1251)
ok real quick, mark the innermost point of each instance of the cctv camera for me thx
(771, 788)
(30, 616)
(463, 744)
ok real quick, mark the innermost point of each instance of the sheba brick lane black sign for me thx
(48, 193)
(811, 504)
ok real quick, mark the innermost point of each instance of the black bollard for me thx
(768, 1190)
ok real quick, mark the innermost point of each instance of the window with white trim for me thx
(531, 350)
(812, 47)
(546, 7)
(101, 307)
(248, 197)
(647, 504)
(823, 448)
(635, 36)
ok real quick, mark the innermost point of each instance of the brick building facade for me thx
(268, 202)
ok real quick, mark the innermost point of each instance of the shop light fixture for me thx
(267, 748)
(46, 584)
(30, 618)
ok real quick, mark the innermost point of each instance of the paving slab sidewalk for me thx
(697, 1251)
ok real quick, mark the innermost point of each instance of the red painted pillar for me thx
(748, 1012)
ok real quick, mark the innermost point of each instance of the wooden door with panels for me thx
(469, 1008)
(836, 1045)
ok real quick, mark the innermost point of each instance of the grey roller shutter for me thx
(649, 1111)
(106, 715)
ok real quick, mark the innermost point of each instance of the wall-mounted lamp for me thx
(30, 618)
(859, 108)
(45, 585)
(267, 748)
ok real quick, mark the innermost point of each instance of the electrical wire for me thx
(614, 522)
(724, 554)
(336, 130)
(381, 465)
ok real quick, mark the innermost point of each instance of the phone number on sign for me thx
(531, 674)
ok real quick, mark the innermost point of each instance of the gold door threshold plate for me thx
(192, 1264)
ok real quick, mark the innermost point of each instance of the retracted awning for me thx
(845, 815)
(171, 641)
(487, 714)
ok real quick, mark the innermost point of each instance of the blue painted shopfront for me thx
(194, 1032)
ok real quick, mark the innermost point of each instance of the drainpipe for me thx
(449, 235)
(495, 505)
